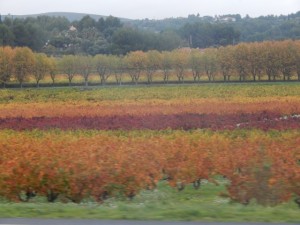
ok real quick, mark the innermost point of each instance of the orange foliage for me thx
(257, 166)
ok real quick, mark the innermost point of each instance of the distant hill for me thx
(69, 15)
(249, 29)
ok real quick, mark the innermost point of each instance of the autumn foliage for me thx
(103, 165)
(269, 61)
(120, 144)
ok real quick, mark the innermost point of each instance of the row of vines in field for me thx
(77, 165)
(266, 113)
(246, 61)
(186, 121)
(73, 144)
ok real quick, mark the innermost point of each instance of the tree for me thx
(135, 62)
(68, 64)
(52, 68)
(210, 63)
(102, 63)
(196, 64)
(117, 67)
(112, 24)
(168, 40)
(271, 60)
(29, 34)
(85, 66)
(297, 49)
(288, 57)
(41, 67)
(86, 22)
(126, 40)
(204, 35)
(226, 61)
(6, 36)
(166, 65)
(153, 63)
(23, 64)
(180, 62)
(256, 61)
(6, 64)
(241, 60)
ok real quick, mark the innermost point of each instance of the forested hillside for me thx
(57, 35)
(249, 29)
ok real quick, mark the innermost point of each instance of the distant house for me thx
(72, 28)
(228, 19)
(225, 19)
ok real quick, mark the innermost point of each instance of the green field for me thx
(164, 203)
(98, 94)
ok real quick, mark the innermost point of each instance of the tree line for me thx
(246, 61)
(60, 36)
(207, 29)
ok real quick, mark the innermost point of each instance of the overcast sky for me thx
(152, 9)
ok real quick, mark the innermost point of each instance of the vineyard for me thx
(102, 143)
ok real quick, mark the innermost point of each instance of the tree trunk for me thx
(209, 77)
(166, 77)
(52, 196)
(118, 79)
(197, 184)
(297, 201)
(53, 79)
(132, 78)
(149, 79)
(180, 186)
(103, 81)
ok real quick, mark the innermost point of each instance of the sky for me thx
(152, 9)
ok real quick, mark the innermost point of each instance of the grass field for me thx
(163, 203)
(181, 92)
